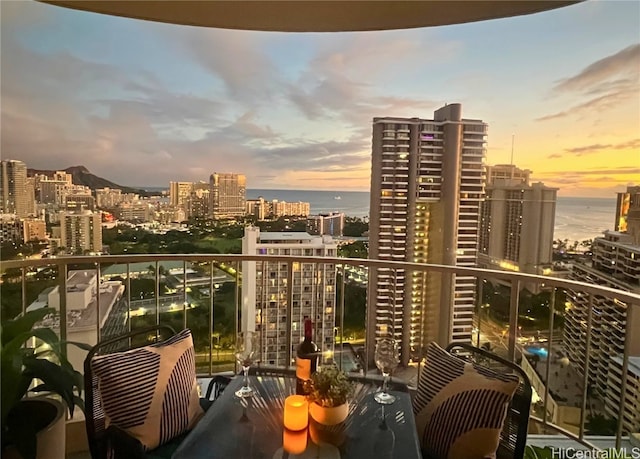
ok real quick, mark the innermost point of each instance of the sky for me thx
(143, 103)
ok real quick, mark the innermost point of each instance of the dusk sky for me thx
(143, 103)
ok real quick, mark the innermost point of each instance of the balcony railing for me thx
(205, 293)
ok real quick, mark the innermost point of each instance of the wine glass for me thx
(247, 352)
(386, 357)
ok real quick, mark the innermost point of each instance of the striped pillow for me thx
(151, 392)
(460, 407)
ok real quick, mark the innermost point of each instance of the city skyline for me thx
(294, 110)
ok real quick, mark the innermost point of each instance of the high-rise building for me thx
(81, 231)
(259, 208)
(427, 183)
(326, 224)
(136, 212)
(30, 185)
(34, 230)
(13, 188)
(198, 202)
(631, 410)
(267, 286)
(179, 193)
(627, 208)
(51, 191)
(107, 198)
(11, 229)
(517, 222)
(507, 174)
(615, 263)
(77, 202)
(284, 208)
(228, 195)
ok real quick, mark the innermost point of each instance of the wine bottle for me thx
(306, 358)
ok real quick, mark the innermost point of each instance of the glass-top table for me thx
(253, 427)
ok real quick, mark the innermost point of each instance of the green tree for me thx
(599, 424)
(358, 249)
(355, 226)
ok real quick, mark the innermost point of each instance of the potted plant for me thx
(28, 421)
(328, 393)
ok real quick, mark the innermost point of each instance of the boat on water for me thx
(337, 197)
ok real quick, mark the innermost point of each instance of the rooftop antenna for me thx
(513, 138)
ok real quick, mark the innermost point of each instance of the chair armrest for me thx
(216, 386)
(123, 444)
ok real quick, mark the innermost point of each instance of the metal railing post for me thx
(236, 319)
(552, 308)
(62, 283)
(585, 376)
(211, 318)
(479, 309)
(513, 318)
(157, 292)
(625, 369)
(23, 281)
(128, 297)
(289, 312)
(98, 318)
(184, 294)
(343, 290)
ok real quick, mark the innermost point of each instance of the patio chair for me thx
(507, 383)
(114, 442)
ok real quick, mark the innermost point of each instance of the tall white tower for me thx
(427, 183)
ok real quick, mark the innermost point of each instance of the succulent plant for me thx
(329, 387)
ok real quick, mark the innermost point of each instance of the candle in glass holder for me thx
(296, 412)
(294, 442)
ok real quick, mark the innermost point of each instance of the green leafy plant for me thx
(22, 365)
(329, 387)
(535, 452)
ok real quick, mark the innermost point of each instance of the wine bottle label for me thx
(303, 368)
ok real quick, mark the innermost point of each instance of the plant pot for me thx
(47, 415)
(329, 415)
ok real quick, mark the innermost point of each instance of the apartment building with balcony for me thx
(517, 222)
(427, 183)
(601, 337)
(80, 231)
(270, 288)
(631, 400)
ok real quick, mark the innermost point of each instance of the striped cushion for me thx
(151, 392)
(460, 407)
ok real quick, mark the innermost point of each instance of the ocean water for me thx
(352, 203)
(577, 219)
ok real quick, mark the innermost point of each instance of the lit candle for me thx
(294, 442)
(296, 412)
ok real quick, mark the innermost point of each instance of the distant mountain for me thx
(82, 176)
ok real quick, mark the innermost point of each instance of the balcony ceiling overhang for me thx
(313, 15)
